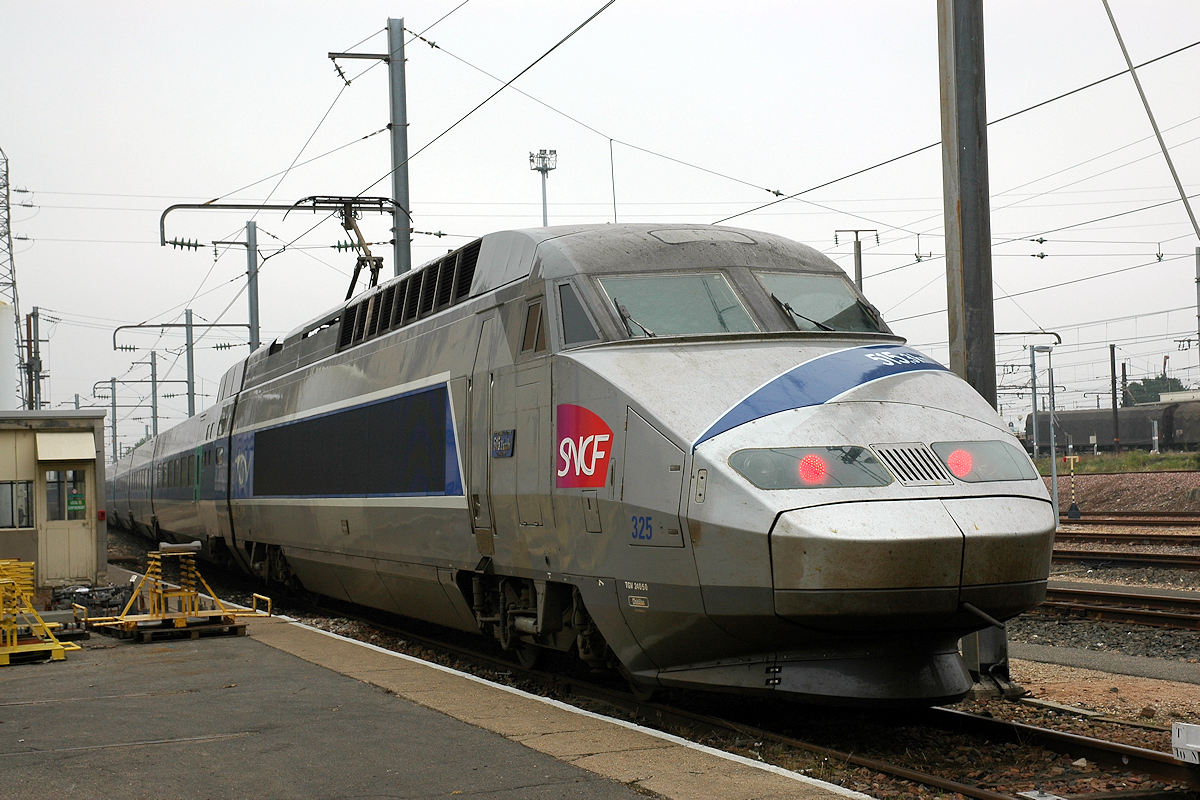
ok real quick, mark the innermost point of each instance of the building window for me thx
(16, 504)
(66, 495)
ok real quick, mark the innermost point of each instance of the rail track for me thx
(1141, 519)
(1188, 561)
(1158, 609)
(1129, 537)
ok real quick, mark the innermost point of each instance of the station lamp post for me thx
(543, 161)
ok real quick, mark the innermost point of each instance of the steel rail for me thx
(1164, 560)
(1131, 514)
(1158, 610)
(1157, 764)
(1174, 520)
(1114, 537)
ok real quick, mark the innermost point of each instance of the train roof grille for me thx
(913, 464)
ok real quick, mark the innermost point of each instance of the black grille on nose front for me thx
(912, 463)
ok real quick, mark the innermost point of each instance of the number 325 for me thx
(643, 528)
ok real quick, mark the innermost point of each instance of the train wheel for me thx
(642, 691)
(527, 655)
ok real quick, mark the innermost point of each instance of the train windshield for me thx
(676, 305)
(820, 302)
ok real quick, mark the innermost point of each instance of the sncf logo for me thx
(584, 446)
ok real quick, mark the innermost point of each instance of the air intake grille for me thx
(913, 464)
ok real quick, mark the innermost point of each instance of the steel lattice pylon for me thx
(8, 270)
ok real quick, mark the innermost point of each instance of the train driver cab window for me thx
(677, 305)
(535, 328)
(815, 301)
(576, 327)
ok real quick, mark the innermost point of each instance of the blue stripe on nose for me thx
(820, 380)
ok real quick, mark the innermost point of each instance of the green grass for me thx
(1131, 461)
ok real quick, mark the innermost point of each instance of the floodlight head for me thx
(1043, 348)
(543, 160)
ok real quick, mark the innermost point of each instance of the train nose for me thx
(911, 563)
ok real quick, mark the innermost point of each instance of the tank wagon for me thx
(692, 453)
(1178, 427)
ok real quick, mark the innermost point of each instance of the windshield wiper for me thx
(872, 312)
(787, 307)
(627, 318)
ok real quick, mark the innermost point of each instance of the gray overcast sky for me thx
(114, 110)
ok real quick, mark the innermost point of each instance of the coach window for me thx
(576, 327)
(535, 328)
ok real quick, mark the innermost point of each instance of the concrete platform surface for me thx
(1163, 669)
(292, 712)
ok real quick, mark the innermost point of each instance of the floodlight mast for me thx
(543, 161)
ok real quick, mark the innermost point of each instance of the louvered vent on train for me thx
(912, 463)
(422, 292)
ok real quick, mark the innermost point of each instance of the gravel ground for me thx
(1131, 491)
(1125, 697)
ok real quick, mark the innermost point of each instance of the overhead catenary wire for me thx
(922, 149)
(487, 99)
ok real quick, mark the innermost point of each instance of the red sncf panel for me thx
(584, 447)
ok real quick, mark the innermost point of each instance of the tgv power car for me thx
(695, 453)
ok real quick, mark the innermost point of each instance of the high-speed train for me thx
(692, 453)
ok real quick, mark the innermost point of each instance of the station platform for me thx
(289, 711)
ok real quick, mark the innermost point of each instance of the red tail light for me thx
(976, 462)
(960, 463)
(813, 469)
(810, 467)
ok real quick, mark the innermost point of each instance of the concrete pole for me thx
(112, 395)
(967, 211)
(1033, 390)
(35, 363)
(1112, 366)
(545, 222)
(191, 365)
(252, 280)
(401, 222)
(858, 263)
(1198, 299)
(1053, 457)
(154, 391)
(965, 195)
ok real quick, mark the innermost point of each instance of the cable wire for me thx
(937, 143)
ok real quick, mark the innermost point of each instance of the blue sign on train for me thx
(502, 443)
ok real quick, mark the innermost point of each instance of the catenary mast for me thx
(8, 274)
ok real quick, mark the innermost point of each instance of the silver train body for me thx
(689, 452)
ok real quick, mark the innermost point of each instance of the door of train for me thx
(484, 444)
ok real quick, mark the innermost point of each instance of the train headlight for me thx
(810, 467)
(976, 462)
